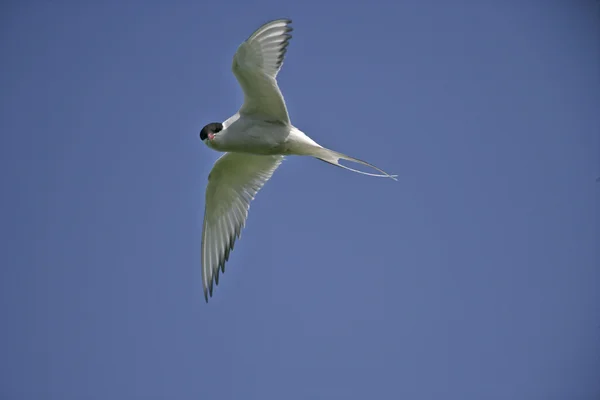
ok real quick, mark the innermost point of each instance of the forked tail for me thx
(333, 157)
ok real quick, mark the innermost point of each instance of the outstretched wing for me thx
(256, 64)
(233, 183)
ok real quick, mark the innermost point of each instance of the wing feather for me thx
(256, 64)
(233, 183)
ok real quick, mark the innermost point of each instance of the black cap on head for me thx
(210, 128)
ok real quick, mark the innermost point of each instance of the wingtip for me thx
(286, 21)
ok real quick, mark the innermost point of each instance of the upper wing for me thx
(256, 64)
(232, 184)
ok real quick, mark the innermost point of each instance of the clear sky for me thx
(475, 276)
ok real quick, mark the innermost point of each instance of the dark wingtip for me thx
(287, 21)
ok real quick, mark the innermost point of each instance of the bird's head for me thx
(209, 132)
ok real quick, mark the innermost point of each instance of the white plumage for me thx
(255, 141)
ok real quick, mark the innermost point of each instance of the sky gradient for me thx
(475, 276)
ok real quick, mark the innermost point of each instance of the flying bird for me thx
(255, 140)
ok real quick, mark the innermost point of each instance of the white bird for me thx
(255, 141)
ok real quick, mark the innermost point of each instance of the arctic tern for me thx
(255, 140)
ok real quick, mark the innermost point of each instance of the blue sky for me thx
(475, 276)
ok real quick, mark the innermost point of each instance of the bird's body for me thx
(255, 140)
(247, 134)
